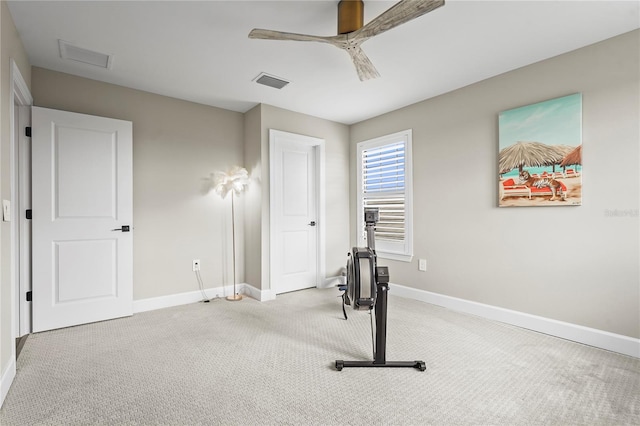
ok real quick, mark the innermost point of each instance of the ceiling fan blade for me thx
(280, 35)
(403, 11)
(364, 67)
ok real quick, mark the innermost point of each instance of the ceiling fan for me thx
(351, 32)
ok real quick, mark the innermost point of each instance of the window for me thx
(384, 181)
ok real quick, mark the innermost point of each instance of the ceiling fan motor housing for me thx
(350, 16)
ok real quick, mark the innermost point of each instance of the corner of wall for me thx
(253, 161)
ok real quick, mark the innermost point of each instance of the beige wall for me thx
(10, 48)
(573, 264)
(253, 197)
(177, 145)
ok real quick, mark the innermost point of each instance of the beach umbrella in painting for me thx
(573, 157)
(563, 150)
(529, 154)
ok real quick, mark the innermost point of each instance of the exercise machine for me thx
(366, 290)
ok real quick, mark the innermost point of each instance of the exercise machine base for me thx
(419, 365)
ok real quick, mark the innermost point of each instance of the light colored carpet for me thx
(252, 363)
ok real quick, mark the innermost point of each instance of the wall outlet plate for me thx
(422, 265)
(196, 265)
(6, 210)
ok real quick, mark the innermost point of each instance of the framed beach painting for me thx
(540, 154)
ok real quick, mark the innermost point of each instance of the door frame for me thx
(19, 117)
(275, 138)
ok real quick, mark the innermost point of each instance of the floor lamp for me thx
(234, 181)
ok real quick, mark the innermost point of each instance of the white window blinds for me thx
(383, 182)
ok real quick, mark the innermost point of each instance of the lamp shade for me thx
(236, 180)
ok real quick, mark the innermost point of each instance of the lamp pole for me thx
(234, 296)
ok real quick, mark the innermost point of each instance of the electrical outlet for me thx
(6, 210)
(422, 265)
(196, 265)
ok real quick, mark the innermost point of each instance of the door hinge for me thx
(27, 132)
(29, 214)
(29, 294)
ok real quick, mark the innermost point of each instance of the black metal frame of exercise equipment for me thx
(380, 276)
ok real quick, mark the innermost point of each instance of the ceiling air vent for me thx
(271, 81)
(86, 56)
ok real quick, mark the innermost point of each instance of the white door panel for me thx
(294, 249)
(95, 259)
(90, 155)
(81, 196)
(295, 182)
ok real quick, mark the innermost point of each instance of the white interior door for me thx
(295, 220)
(82, 206)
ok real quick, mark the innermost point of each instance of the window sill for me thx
(395, 256)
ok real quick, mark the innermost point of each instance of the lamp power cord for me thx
(205, 299)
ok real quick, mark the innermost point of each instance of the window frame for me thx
(402, 251)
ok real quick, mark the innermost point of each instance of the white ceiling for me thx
(199, 51)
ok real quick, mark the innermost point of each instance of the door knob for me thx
(125, 228)
(312, 223)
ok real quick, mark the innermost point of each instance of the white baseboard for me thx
(168, 301)
(7, 379)
(577, 333)
(261, 295)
